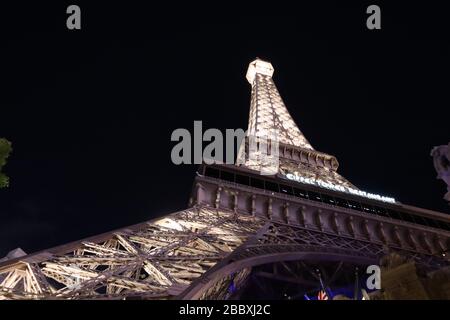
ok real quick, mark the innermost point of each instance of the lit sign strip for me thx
(339, 188)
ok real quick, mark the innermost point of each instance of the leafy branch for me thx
(5, 150)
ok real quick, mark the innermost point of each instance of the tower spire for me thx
(267, 109)
(269, 116)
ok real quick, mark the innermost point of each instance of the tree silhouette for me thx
(5, 150)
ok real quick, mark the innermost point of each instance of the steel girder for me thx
(156, 261)
(277, 242)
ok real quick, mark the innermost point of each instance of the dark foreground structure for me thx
(271, 227)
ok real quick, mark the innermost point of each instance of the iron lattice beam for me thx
(155, 262)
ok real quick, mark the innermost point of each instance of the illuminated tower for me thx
(241, 225)
(269, 114)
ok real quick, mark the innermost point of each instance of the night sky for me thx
(90, 113)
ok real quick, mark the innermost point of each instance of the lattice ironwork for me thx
(268, 111)
(269, 116)
(314, 173)
(185, 254)
(302, 239)
(156, 261)
(280, 242)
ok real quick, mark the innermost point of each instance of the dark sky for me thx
(90, 112)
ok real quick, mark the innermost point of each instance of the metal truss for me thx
(227, 286)
(268, 111)
(314, 173)
(156, 261)
(288, 238)
(283, 238)
(269, 115)
(168, 257)
(277, 242)
(201, 252)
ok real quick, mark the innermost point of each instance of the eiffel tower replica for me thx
(301, 223)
